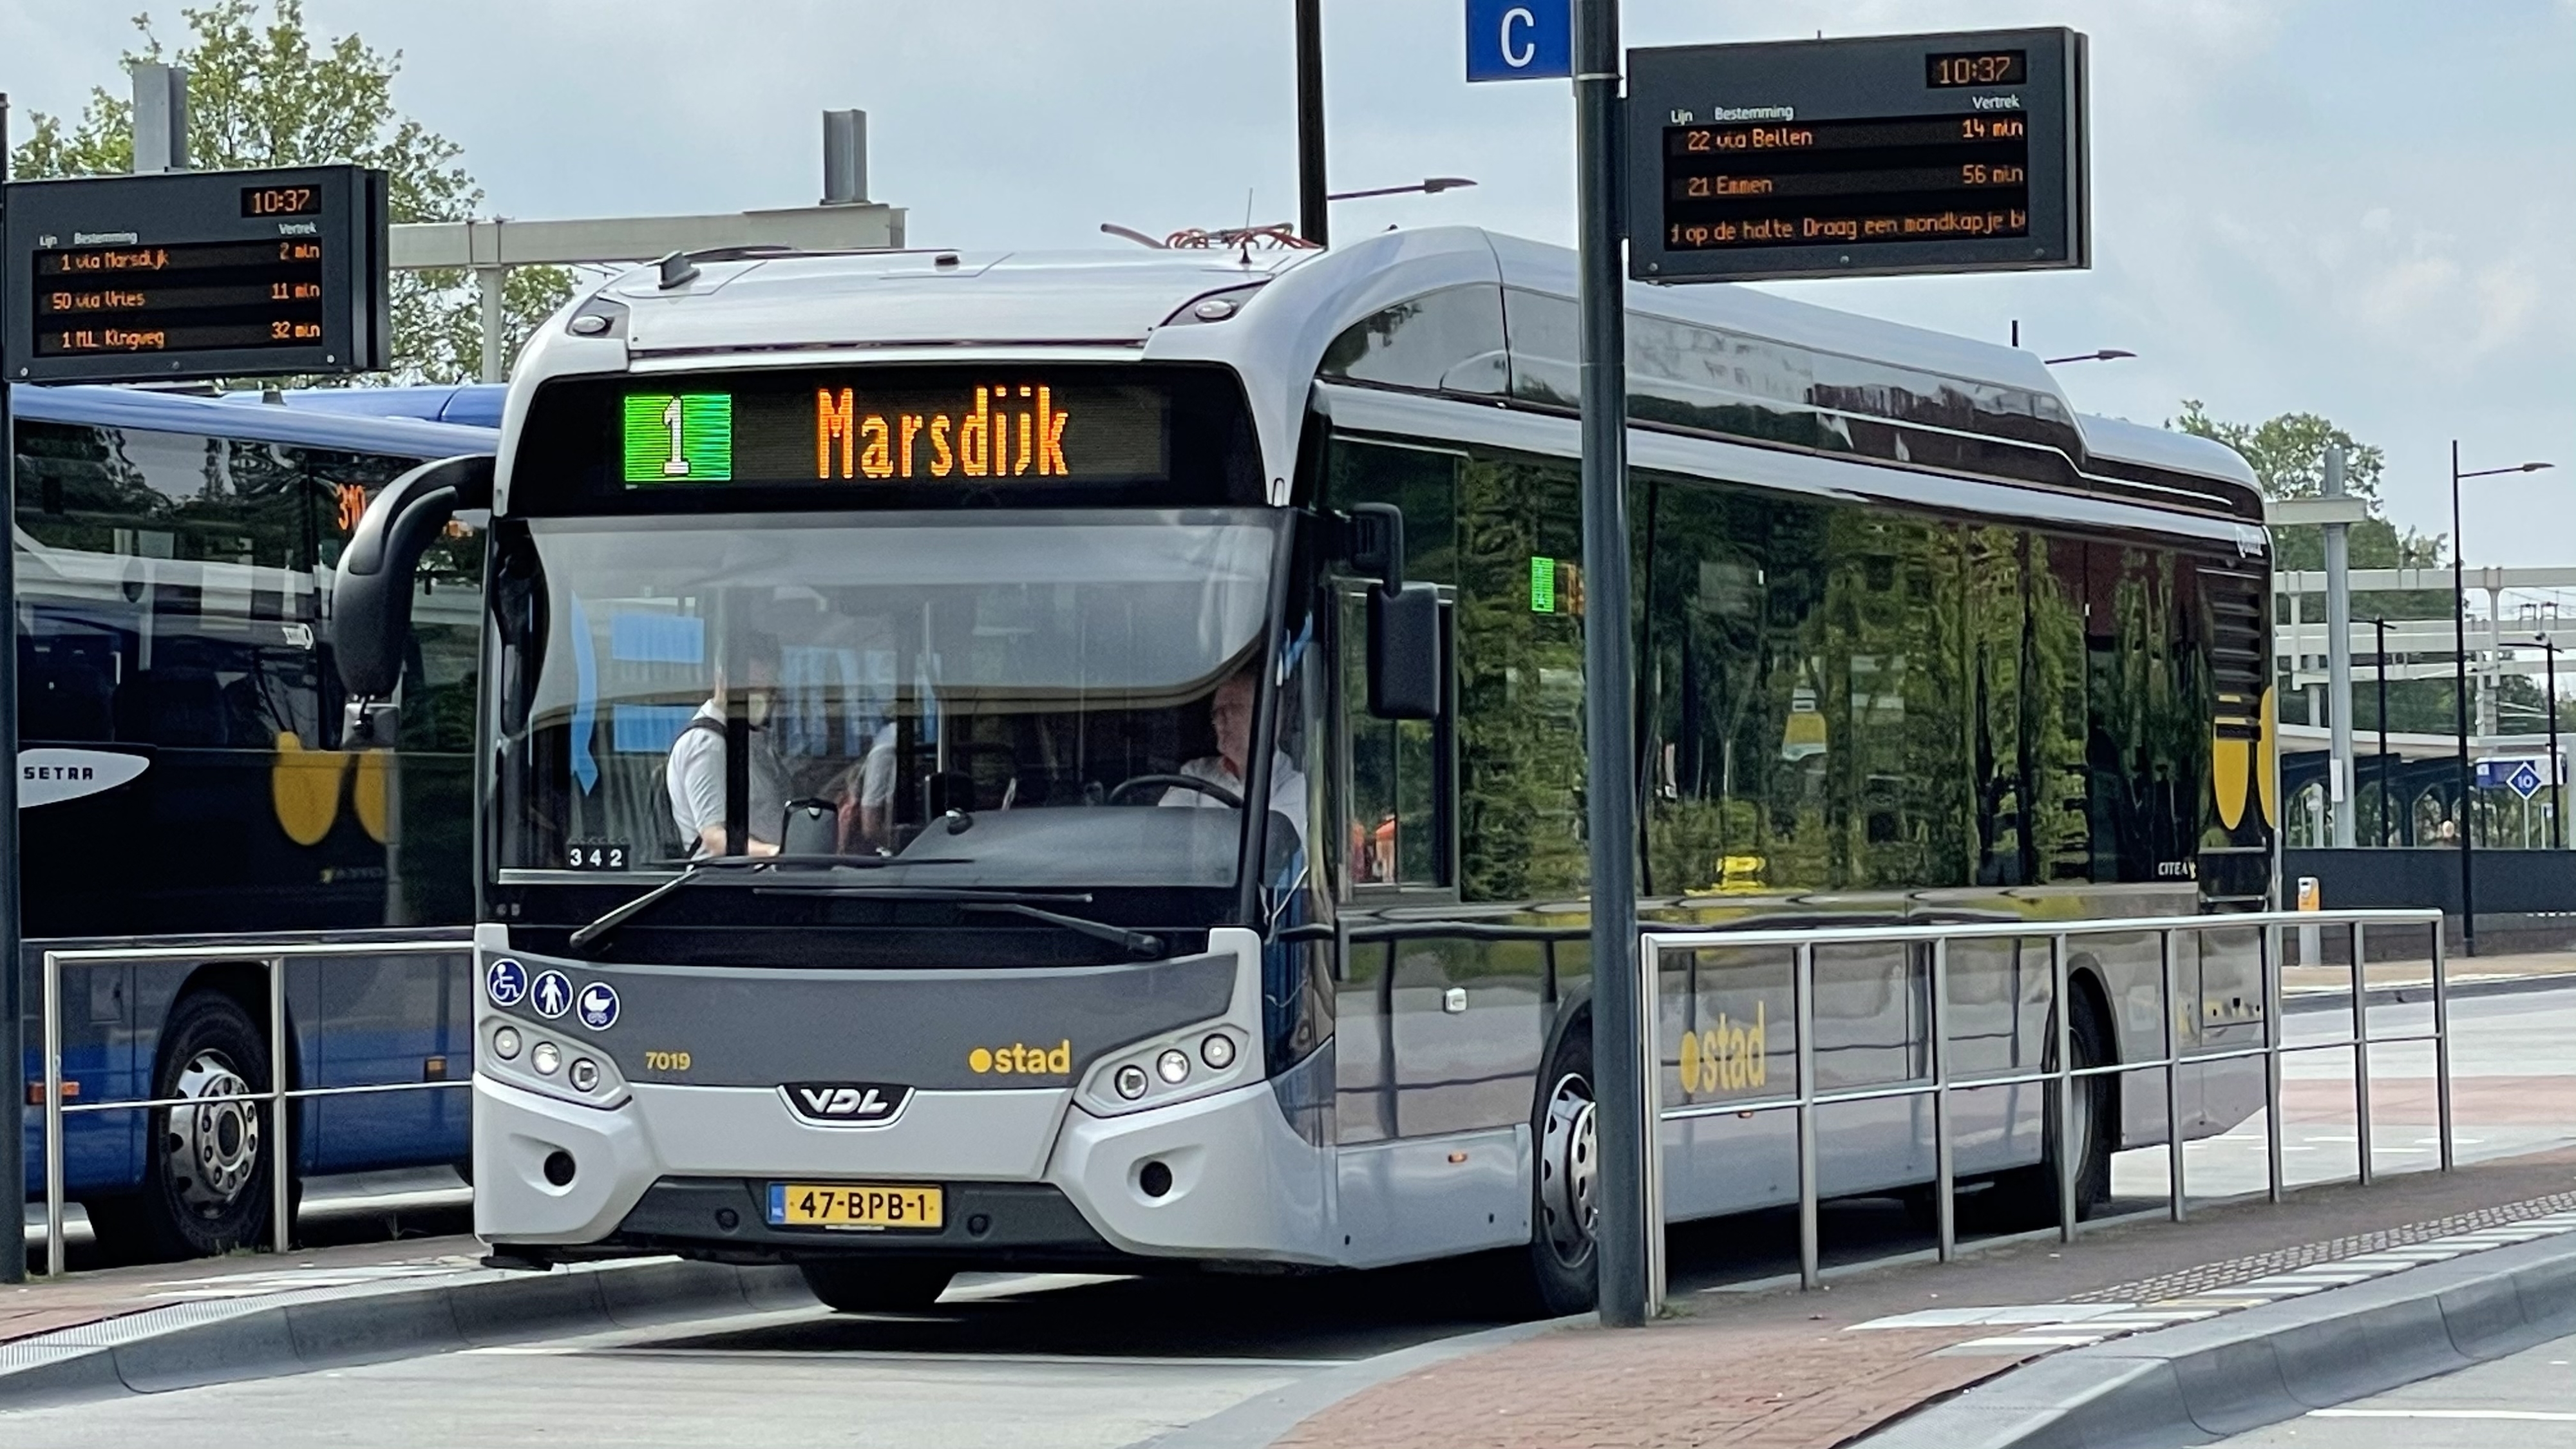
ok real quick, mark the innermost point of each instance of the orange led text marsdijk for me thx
(1010, 432)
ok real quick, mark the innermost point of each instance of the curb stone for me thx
(2339, 998)
(2204, 1381)
(189, 1345)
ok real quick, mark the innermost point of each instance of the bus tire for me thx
(206, 1169)
(1564, 1253)
(2026, 1197)
(876, 1285)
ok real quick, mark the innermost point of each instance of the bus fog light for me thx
(584, 1075)
(1173, 1066)
(1217, 1051)
(1130, 1081)
(546, 1057)
(505, 1043)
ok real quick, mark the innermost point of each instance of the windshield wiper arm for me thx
(1141, 944)
(695, 871)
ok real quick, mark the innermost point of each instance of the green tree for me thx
(262, 92)
(2288, 456)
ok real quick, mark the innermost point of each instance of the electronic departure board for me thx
(198, 274)
(1865, 157)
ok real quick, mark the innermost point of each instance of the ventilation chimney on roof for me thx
(845, 158)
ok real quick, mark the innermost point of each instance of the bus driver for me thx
(1230, 716)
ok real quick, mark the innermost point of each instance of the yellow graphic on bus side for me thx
(304, 789)
(1726, 1055)
(1022, 1059)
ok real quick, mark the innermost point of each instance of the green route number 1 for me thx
(678, 437)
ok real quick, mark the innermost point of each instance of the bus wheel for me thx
(2026, 1198)
(1565, 1210)
(876, 1285)
(205, 1169)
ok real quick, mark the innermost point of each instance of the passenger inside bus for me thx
(695, 775)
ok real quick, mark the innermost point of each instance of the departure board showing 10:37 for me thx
(1866, 157)
(198, 274)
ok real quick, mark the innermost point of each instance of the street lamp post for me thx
(2380, 628)
(2107, 354)
(2460, 700)
(1311, 223)
(1428, 186)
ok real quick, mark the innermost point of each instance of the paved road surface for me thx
(2527, 1401)
(2513, 1075)
(1012, 1361)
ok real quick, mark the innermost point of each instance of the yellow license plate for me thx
(856, 1205)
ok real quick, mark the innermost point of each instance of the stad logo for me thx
(848, 1104)
(1023, 1059)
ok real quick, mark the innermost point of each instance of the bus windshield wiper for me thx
(1143, 945)
(696, 870)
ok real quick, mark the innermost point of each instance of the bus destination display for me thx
(198, 275)
(1001, 431)
(1858, 157)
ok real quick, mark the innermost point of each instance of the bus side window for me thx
(1395, 823)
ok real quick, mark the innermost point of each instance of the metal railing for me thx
(2062, 1075)
(277, 1095)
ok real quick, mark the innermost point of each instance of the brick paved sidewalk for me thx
(42, 1307)
(1777, 1370)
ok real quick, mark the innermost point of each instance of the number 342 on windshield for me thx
(596, 855)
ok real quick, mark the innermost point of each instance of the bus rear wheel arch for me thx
(1564, 1258)
(205, 1184)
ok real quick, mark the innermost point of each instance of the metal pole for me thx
(2460, 684)
(2065, 1086)
(281, 1155)
(53, 1080)
(2557, 792)
(2442, 1047)
(490, 281)
(2176, 1206)
(1651, 1146)
(1311, 205)
(2340, 785)
(13, 979)
(2269, 943)
(1802, 1011)
(1610, 763)
(2380, 626)
(1944, 1160)
(2360, 1056)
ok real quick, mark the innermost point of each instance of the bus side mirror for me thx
(371, 588)
(1404, 652)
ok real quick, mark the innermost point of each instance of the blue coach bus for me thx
(183, 785)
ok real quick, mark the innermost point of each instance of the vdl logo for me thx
(848, 1104)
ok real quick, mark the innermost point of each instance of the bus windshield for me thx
(993, 696)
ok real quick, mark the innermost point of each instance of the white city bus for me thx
(854, 618)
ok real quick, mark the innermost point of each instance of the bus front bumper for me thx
(1027, 1175)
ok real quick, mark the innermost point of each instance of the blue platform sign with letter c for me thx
(1519, 39)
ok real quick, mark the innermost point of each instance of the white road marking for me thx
(2518, 1416)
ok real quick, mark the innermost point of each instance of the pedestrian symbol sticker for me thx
(599, 1006)
(553, 991)
(506, 982)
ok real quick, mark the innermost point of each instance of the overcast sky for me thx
(2364, 208)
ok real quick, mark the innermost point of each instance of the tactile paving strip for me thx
(2212, 1289)
(2282, 1260)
